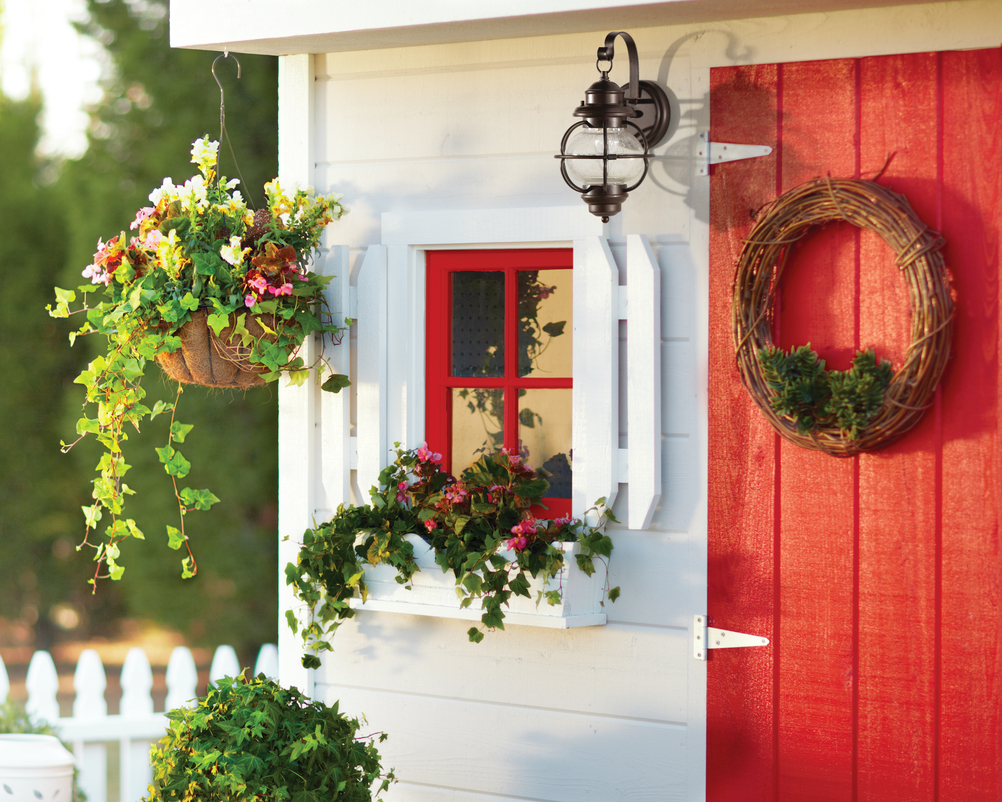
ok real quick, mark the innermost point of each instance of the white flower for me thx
(232, 252)
(203, 153)
(166, 191)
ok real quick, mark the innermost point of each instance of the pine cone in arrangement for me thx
(262, 220)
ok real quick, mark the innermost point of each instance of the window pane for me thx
(544, 430)
(478, 323)
(477, 425)
(544, 323)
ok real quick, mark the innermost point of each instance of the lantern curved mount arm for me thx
(600, 156)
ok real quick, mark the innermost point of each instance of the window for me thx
(498, 360)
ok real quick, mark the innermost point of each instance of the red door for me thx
(877, 578)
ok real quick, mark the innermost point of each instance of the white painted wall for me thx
(601, 713)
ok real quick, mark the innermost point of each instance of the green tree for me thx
(158, 101)
(37, 493)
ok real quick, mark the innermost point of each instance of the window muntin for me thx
(499, 342)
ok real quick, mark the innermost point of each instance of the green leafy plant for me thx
(255, 741)
(467, 522)
(815, 398)
(198, 255)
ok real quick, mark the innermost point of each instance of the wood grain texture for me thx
(813, 699)
(742, 469)
(886, 568)
(971, 755)
(898, 527)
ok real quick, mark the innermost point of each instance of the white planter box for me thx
(433, 593)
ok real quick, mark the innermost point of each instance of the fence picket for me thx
(42, 684)
(135, 772)
(182, 678)
(224, 664)
(5, 681)
(267, 662)
(90, 683)
(137, 725)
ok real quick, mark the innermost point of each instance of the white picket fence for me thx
(136, 726)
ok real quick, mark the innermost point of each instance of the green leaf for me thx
(218, 321)
(475, 635)
(174, 538)
(178, 431)
(189, 302)
(207, 264)
(613, 594)
(335, 383)
(199, 499)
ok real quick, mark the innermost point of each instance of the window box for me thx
(433, 593)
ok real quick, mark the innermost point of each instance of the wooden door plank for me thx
(898, 522)
(817, 505)
(971, 767)
(742, 472)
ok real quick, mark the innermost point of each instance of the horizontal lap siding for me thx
(880, 573)
(536, 714)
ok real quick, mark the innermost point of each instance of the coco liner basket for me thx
(216, 361)
(865, 204)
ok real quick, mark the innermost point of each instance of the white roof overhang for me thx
(285, 27)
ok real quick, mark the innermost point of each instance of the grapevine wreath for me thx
(899, 400)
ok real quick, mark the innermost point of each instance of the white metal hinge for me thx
(705, 637)
(708, 152)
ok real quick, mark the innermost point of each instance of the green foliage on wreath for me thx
(816, 398)
(255, 741)
(467, 522)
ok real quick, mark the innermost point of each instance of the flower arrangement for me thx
(214, 292)
(255, 741)
(467, 522)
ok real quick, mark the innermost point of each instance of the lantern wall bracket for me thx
(708, 152)
(706, 637)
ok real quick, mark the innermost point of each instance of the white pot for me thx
(35, 768)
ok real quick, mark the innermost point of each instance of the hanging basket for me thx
(868, 205)
(217, 360)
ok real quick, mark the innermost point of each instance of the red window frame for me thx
(439, 382)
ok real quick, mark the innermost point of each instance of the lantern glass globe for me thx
(587, 141)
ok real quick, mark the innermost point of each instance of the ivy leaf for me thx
(178, 431)
(335, 383)
(614, 593)
(174, 538)
(189, 302)
(199, 499)
(475, 636)
(187, 568)
(218, 321)
(555, 328)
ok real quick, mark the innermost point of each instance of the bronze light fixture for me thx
(607, 155)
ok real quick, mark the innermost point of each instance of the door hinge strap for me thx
(706, 637)
(708, 152)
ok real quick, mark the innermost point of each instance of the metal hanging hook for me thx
(222, 94)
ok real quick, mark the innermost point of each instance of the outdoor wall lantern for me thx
(608, 153)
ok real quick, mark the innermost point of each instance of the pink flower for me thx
(526, 526)
(249, 300)
(402, 491)
(259, 283)
(456, 493)
(517, 543)
(96, 275)
(141, 215)
(427, 455)
(430, 524)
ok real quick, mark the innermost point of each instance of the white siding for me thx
(601, 713)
